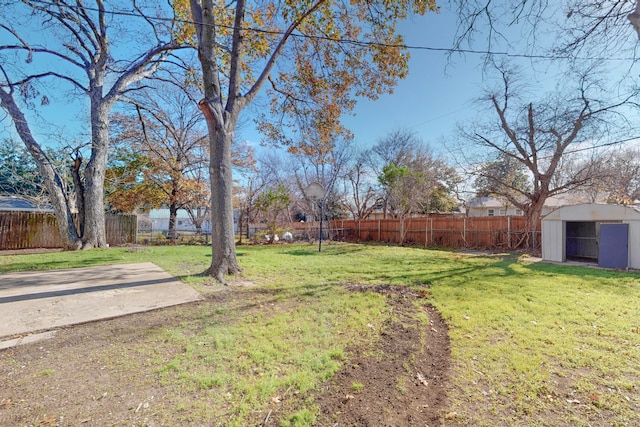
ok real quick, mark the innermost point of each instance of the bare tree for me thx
(74, 48)
(360, 189)
(544, 138)
(323, 166)
(410, 174)
(621, 172)
(246, 196)
(581, 28)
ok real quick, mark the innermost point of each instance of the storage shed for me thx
(608, 235)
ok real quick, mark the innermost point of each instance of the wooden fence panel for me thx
(31, 230)
(447, 232)
(499, 232)
(487, 232)
(121, 229)
(415, 231)
(23, 230)
(389, 231)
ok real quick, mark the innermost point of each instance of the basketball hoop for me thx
(314, 191)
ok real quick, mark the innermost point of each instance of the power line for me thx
(606, 144)
(345, 41)
(433, 119)
(594, 147)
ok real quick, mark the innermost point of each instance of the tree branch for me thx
(277, 51)
(32, 50)
(48, 74)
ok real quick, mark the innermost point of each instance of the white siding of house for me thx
(497, 211)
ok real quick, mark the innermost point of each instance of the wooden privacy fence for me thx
(498, 232)
(30, 230)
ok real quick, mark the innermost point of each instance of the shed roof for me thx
(594, 212)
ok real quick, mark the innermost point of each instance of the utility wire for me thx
(342, 40)
(606, 144)
(594, 147)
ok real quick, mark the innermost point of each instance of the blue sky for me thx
(436, 95)
(429, 102)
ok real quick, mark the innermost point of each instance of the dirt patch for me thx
(401, 382)
(105, 373)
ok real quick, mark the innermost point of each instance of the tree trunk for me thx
(240, 225)
(532, 215)
(223, 246)
(197, 216)
(94, 235)
(79, 191)
(248, 221)
(173, 214)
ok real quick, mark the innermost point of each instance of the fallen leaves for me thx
(422, 379)
(48, 420)
(450, 415)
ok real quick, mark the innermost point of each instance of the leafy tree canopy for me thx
(18, 171)
(392, 174)
(328, 53)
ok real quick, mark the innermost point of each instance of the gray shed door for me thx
(614, 245)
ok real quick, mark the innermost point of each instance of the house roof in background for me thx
(15, 203)
(572, 198)
(486, 202)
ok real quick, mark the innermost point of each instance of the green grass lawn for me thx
(532, 343)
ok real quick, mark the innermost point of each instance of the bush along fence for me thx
(493, 233)
(30, 230)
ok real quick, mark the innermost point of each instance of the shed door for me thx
(614, 245)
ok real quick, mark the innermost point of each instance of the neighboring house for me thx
(376, 215)
(493, 206)
(15, 203)
(158, 220)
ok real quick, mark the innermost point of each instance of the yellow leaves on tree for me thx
(155, 164)
(344, 51)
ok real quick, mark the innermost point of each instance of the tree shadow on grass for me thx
(587, 271)
(326, 251)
